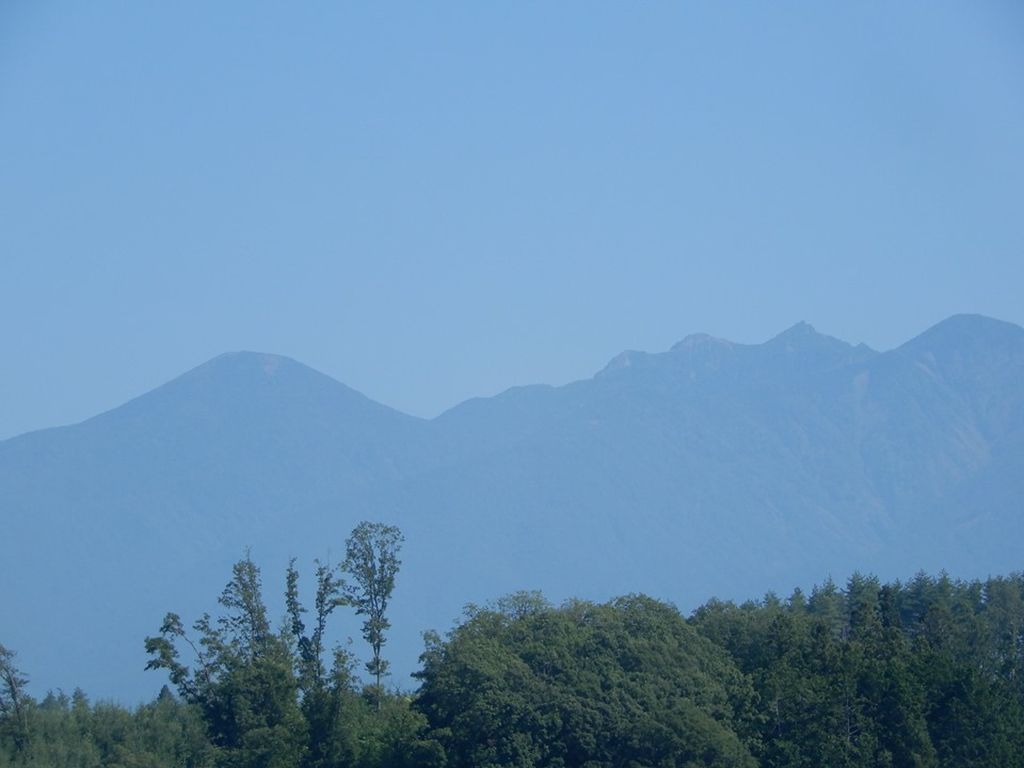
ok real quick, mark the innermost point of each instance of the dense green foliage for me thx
(268, 699)
(626, 683)
(69, 732)
(923, 674)
(928, 673)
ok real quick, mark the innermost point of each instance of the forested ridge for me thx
(797, 457)
(922, 673)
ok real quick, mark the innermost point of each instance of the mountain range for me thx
(711, 469)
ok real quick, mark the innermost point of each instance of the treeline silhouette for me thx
(924, 673)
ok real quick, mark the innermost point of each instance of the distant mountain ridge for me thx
(709, 469)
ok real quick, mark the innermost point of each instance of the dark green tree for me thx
(627, 683)
(371, 560)
(14, 701)
(329, 702)
(243, 677)
(312, 670)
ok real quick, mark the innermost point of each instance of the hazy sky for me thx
(430, 201)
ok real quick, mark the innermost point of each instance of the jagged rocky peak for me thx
(804, 343)
(697, 345)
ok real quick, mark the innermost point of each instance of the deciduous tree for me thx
(371, 560)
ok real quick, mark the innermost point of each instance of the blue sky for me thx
(435, 201)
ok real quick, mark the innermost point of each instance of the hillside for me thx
(712, 468)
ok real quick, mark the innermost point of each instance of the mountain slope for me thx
(122, 517)
(714, 468)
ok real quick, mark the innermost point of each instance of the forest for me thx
(928, 672)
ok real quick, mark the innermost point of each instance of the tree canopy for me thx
(623, 683)
(924, 673)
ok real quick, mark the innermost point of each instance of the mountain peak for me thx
(620, 361)
(965, 330)
(250, 385)
(244, 360)
(803, 336)
(232, 372)
(800, 330)
(246, 368)
(701, 340)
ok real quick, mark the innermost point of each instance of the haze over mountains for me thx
(711, 469)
